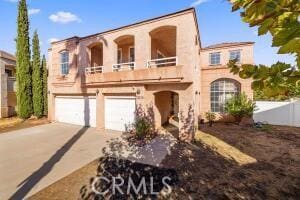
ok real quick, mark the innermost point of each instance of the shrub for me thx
(142, 128)
(239, 106)
(210, 116)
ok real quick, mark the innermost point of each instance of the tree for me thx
(276, 80)
(45, 85)
(37, 77)
(239, 106)
(24, 82)
(280, 18)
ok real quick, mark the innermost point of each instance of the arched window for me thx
(220, 91)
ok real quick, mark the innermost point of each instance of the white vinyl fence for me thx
(285, 113)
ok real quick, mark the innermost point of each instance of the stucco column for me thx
(51, 107)
(3, 92)
(109, 55)
(186, 116)
(100, 120)
(142, 49)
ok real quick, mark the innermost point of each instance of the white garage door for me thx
(119, 111)
(76, 110)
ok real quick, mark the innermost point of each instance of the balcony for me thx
(93, 70)
(157, 71)
(162, 62)
(124, 66)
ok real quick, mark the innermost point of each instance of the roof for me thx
(4, 54)
(226, 44)
(137, 23)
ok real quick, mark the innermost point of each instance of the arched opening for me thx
(220, 91)
(96, 57)
(163, 46)
(167, 105)
(125, 53)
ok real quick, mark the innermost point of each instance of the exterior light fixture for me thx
(97, 91)
(138, 91)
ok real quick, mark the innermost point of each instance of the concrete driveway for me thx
(33, 158)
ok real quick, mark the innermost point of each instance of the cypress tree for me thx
(24, 87)
(37, 75)
(45, 86)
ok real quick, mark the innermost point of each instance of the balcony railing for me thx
(92, 70)
(162, 62)
(124, 66)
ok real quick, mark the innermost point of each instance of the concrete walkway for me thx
(33, 158)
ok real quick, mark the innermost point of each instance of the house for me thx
(156, 67)
(8, 99)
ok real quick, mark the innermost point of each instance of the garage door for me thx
(119, 111)
(76, 110)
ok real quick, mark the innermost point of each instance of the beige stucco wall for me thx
(212, 73)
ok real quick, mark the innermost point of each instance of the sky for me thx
(59, 19)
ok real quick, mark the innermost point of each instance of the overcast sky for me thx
(58, 19)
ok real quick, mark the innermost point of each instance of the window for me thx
(119, 56)
(236, 54)
(220, 91)
(215, 58)
(64, 62)
(8, 72)
(131, 54)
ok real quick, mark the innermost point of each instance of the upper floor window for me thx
(119, 56)
(215, 58)
(131, 54)
(236, 54)
(64, 62)
(9, 72)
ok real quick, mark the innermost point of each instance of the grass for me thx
(9, 122)
(223, 148)
(15, 123)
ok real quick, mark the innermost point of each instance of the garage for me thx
(119, 111)
(76, 110)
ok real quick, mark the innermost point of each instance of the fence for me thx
(278, 113)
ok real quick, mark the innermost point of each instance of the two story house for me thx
(155, 68)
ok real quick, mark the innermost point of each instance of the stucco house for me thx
(156, 67)
(8, 99)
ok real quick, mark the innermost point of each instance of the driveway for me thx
(33, 158)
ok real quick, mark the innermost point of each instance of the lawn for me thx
(15, 123)
(225, 162)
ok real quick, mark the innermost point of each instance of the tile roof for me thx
(226, 44)
(4, 54)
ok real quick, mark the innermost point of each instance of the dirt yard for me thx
(225, 162)
(15, 123)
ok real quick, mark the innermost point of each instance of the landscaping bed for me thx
(202, 171)
(15, 123)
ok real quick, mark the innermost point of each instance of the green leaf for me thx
(257, 85)
(264, 28)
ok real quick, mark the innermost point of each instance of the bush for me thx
(210, 116)
(239, 106)
(142, 128)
